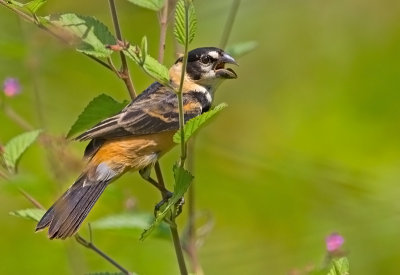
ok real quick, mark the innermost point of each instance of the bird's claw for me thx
(179, 204)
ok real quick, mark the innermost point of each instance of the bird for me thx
(136, 137)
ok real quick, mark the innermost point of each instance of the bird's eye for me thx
(205, 59)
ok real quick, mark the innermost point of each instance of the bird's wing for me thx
(153, 111)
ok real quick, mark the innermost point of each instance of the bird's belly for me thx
(133, 152)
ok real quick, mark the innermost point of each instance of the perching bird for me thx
(137, 137)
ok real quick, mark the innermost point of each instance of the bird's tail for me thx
(68, 212)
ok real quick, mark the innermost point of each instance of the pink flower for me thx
(11, 87)
(334, 242)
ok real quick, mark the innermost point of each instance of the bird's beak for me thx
(221, 71)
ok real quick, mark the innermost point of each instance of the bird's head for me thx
(206, 66)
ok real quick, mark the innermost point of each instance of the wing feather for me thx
(153, 111)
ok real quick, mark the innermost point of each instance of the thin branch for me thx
(4, 175)
(125, 74)
(31, 19)
(163, 31)
(229, 23)
(17, 118)
(177, 245)
(30, 198)
(91, 246)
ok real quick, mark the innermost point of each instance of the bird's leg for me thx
(145, 174)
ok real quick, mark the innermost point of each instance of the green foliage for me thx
(98, 109)
(240, 49)
(14, 149)
(90, 36)
(34, 214)
(130, 221)
(339, 266)
(31, 7)
(149, 65)
(183, 178)
(194, 124)
(154, 5)
(182, 30)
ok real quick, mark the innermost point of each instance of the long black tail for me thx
(68, 212)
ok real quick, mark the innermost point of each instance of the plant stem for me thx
(91, 246)
(178, 247)
(163, 31)
(229, 23)
(179, 93)
(125, 74)
(16, 118)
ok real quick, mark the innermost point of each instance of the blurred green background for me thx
(309, 145)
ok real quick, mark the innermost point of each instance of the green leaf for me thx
(35, 5)
(339, 267)
(154, 5)
(150, 66)
(87, 34)
(194, 124)
(183, 9)
(34, 214)
(183, 178)
(99, 108)
(240, 49)
(156, 69)
(14, 149)
(130, 221)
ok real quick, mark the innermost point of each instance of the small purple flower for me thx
(334, 242)
(11, 87)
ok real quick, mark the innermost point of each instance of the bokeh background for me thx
(309, 145)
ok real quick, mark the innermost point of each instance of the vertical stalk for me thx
(163, 31)
(125, 74)
(229, 23)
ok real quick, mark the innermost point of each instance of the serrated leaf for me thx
(86, 33)
(34, 214)
(156, 69)
(154, 5)
(240, 49)
(130, 221)
(183, 178)
(183, 9)
(99, 108)
(194, 124)
(339, 267)
(150, 66)
(14, 149)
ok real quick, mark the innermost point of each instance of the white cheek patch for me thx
(214, 54)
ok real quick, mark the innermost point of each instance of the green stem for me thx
(177, 245)
(179, 94)
(229, 23)
(125, 74)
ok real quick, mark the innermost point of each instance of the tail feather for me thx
(68, 212)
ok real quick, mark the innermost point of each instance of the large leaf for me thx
(185, 8)
(150, 66)
(14, 149)
(183, 178)
(240, 49)
(34, 214)
(129, 221)
(99, 108)
(86, 33)
(339, 267)
(193, 125)
(154, 5)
